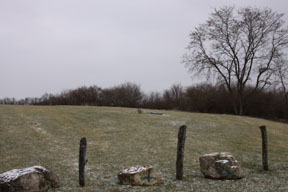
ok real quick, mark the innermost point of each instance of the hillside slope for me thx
(119, 138)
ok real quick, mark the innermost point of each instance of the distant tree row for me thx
(26, 101)
(124, 95)
(204, 98)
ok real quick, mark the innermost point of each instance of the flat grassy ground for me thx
(119, 138)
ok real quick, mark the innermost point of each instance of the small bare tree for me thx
(174, 96)
(239, 48)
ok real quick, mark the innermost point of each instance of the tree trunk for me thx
(286, 104)
(237, 100)
(235, 109)
(241, 102)
(240, 109)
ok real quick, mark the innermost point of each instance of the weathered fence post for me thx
(82, 161)
(264, 148)
(180, 152)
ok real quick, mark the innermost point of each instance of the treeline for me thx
(205, 98)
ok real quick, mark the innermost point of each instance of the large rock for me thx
(139, 175)
(34, 179)
(220, 166)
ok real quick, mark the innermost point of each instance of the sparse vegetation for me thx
(120, 137)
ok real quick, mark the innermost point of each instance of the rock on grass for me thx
(139, 175)
(220, 166)
(34, 178)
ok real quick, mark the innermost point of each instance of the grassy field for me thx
(119, 138)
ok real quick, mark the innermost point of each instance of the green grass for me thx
(119, 138)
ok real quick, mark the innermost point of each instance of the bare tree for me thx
(239, 48)
(282, 74)
(154, 100)
(174, 96)
(124, 95)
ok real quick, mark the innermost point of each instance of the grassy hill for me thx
(119, 138)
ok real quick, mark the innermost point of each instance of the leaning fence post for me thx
(264, 148)
(180, 152)
(82, 161)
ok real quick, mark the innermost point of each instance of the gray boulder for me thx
(139, 175)
(36, 179)
(220, 165)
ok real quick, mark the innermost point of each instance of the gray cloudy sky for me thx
(52, 45)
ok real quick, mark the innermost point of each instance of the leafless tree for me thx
(124, 95)
(282, 74)
(239, 48)
(174, 96)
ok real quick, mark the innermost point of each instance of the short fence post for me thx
(180, 152)
(82, 161)
(264, 148)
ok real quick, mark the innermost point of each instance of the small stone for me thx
(36, 178)
(140, 111)
(139, 175)
(220, 165)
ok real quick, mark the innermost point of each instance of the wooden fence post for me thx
(264, 148)
(180, 152)
(82, 161)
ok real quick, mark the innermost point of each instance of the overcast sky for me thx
(53, 45)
